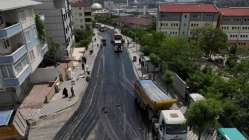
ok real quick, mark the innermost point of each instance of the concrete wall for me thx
(179, 85)
(44, 75)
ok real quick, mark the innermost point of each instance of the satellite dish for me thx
(59, 3)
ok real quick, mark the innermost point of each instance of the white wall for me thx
(43, 75)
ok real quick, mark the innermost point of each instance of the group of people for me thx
(65, 92)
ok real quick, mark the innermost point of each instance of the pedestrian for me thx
(83, 66)
(72, 92)
(65, 93)
(84, 59)
(87, 70)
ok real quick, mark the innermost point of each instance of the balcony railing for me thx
(10, 30)
(13, 57)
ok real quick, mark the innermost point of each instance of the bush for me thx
(168, 77)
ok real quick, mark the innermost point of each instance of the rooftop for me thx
(235, 11)
(143, 21)
(231, 133)
(80, 4)
(5, 117)
(187, 8)
(15, 4)
(173, 117)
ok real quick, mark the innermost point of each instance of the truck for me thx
(117, 41)
(167, 124)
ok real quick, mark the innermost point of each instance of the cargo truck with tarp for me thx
(167, 124)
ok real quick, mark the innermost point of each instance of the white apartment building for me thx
(58, 22)
(82, 15)
(21, 51)
(179, 19)
(235, 23)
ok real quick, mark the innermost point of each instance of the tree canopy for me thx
(203, 115)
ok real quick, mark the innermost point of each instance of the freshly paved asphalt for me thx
(108, 105)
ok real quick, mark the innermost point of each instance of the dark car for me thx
(103, 42)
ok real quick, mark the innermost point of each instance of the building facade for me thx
(235, 23)
(82, 15)
(180, 19)
(58, 22)
(21, 52)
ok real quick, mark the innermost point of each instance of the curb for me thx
(45, 116)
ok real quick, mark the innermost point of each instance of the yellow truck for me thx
(167, 124)
(12, 125)
(151, 98)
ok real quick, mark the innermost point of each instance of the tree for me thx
(203, 114)
(210, 40)
(53, 47)
(40, 28)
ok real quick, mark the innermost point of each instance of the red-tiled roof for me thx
(79, 3)
(187, 8)
(234, 11)
(130, 20)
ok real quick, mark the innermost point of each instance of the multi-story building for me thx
(20, 49)
(179, 19)
(58, 22)
(235, 23)
(82, 15)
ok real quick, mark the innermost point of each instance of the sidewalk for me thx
(58, 103)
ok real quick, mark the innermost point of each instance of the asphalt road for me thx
(108, 106)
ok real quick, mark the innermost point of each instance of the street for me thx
(107, 111)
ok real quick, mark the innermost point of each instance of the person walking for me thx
(65, 93)
(72, 92)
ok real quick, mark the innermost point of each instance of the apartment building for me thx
(179, 19)
(21, 52)
(235, 23)
(58, 22)
(82, 15)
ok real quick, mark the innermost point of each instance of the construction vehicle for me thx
(167, 124)
(117, 41)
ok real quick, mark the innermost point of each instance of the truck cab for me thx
(171, 126)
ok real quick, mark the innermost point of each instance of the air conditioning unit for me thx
(2, 22)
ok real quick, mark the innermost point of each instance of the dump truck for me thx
(117, 41)
(13, 125)
(167, 124)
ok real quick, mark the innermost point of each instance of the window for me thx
(88, 14)
(88, 19)
(20, 64)
(7, 71)
(80, 14)
(22, 16)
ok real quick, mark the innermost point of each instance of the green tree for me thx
(53, 47)
(40, 28)
(203, 114)
(210, 40)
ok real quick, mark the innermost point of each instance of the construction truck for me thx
(117, 41)
(167, 124)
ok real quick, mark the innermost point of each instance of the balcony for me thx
(14, 56)
(9, 31)
(18, 79)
